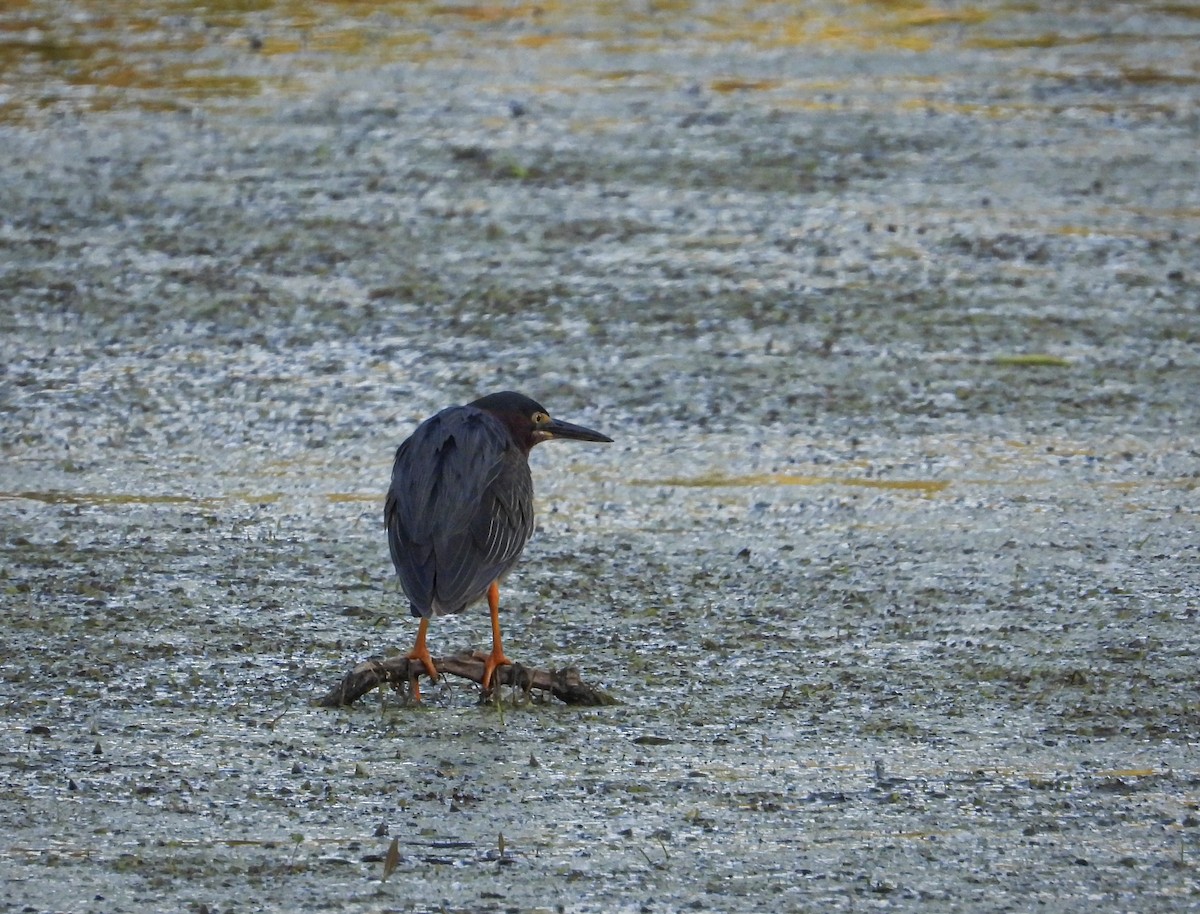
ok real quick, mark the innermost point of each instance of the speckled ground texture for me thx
(892, 309)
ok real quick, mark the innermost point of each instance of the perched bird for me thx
(460, 508)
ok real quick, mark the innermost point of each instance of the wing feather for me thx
(459, 510)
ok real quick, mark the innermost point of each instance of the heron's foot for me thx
(491, 662)
(426, 661)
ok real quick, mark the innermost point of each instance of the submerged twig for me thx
(399, 672)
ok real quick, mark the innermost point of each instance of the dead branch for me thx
(399, 672)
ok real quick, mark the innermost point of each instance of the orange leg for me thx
(421, 652)
(496, 657)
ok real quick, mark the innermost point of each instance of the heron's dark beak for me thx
(556, 428)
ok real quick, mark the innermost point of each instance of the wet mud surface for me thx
(892, 311)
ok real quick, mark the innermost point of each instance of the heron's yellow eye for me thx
(540, 418)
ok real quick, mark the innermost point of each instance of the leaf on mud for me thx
(392, 860)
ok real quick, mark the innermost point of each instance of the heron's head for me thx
(528, 421)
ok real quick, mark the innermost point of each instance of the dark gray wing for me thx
(459, 510)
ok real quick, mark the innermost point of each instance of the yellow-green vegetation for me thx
(1032, 360)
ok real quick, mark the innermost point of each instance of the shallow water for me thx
(891, 309)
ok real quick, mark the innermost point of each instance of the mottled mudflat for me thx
(893, 310)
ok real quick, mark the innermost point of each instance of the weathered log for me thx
(400, 673)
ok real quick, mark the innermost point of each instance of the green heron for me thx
(460, 509)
